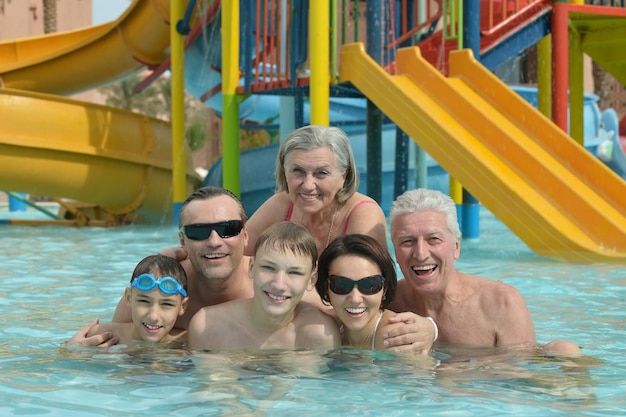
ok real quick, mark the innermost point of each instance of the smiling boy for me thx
(282, 269)
(157, 296)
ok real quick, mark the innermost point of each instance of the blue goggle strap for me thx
(167, 285)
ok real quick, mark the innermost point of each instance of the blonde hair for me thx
(289, 236)
(309, 138)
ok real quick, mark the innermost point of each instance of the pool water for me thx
(55, 280)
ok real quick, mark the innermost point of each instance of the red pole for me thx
(560, 63)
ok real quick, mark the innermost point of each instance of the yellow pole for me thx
(177, 48)
(456, 188)
(319, 24)
(456, 191)
(230, 103)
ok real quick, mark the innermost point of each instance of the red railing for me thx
(279, 32)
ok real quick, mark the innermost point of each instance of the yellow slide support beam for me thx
(230, 102)
(177, 11)
(319, 25)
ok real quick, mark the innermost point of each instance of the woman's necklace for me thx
(332, 223)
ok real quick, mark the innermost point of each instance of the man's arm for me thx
(176, 252)
(316, 329)
(418, 333)
(104, 339)
(196, 334)
(122, 312)
(512, 320)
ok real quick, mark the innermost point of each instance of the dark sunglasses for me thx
(367, 286)
(202, 231)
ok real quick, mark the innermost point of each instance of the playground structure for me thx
(578, 215)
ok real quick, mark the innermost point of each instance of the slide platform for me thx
(54, 146)
(554, 195)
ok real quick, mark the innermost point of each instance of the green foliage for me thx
(196, 135)
(156, 101)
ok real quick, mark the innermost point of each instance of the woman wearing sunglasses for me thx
(356, 275)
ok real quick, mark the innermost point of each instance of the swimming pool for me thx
(55, 280)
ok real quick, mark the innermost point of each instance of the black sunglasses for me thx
(367, 286)
(202, 231)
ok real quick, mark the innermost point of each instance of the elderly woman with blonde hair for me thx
(316, 186)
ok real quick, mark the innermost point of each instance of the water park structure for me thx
(559, 199)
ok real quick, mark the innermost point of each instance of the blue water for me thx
(55, 280)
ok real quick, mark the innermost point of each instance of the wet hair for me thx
(161, 266)
(207, 193)
(289, 237)
(362, 246)
(309, 138)
(423, 199)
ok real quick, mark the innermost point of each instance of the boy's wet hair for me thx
(161, 266)
(289, 236)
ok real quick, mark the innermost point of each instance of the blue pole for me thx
(471, 39)
(374, 117)
(16, 202)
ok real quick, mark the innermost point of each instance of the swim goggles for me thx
(202, 231)
(167, 285)
(366, 286)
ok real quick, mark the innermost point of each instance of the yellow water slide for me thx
(554, 195)
(55, 146)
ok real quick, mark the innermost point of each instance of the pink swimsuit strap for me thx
(345, 225)
(289, 212)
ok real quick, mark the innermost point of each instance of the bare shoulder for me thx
(308, 313)
(403, 301)
(211, 321)
(365, 216)
(496, 294)
(273, 208)
(361, 203)
(504, 307)
(215, 316)
(315, 328)
(231, 307)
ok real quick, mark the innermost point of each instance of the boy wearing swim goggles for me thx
(282, 269)
(356, 275)
(157, 295)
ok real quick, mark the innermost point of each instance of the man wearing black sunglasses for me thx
(212, 234)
